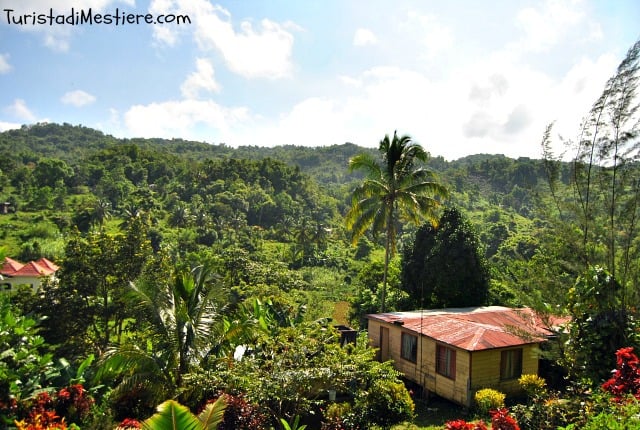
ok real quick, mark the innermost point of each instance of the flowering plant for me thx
(626, 377)
(463, 425)
(501, 420)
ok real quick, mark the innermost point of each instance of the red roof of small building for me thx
(42, 267)
(10, 266)
(49, 265)
(473, 329)
(31, 269)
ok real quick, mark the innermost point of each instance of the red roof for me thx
(47, 264)
(473, 329)
(10, 266)
(42, 267)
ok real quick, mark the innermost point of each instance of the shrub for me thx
(463, 425)
(129, 424)
(533, 385)
(338, 416)
(488, 399)
(386, 403)
(501, 420)
(626, 377)
(73, 402)
(240, 415)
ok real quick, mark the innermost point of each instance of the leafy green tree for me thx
(602, 205)
(26, 361)
(291, 372)
(445, 266)
(85, 307)
(605, 182)
(394, 190)
(180, 314)
(50, 172)
(599, 326)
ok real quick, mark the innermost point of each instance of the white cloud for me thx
(495, 105)
(253, 51)
(548, 23)
(20, 111)
(77, 98)
(4, 126)
(182, 119)
(364, 37)
(5, 67)
(202, 79)
(434, 36)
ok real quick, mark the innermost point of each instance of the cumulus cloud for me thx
(77, 98)
(202, 80)
(253, 51)
(547, 23)
(364, 37)
(4, 126)
(20, 111)
(182, 119)
(5, 67)
(495, 86)
(518, 120)
(434, 36)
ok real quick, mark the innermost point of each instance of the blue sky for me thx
(461, 77)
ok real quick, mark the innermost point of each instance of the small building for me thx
(14, 274)
(455, 352)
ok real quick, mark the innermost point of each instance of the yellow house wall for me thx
(474, 370)
(425, 374)
(485, 369)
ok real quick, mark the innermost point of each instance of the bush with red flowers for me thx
(73, 402)
(129, 424)
(501, 420)
(70, 404)
(240, 414)
(463, 425)
(626, 378)
(41, 415)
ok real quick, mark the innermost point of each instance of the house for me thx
(455, 352)
(13, 273)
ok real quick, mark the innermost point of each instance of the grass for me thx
(433, 414)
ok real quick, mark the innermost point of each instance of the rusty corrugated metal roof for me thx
(472, 329)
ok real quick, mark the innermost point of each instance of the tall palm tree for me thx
(395, 189)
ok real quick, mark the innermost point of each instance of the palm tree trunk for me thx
(387, 252)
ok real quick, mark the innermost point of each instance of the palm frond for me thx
(213, 414)
(172, 415)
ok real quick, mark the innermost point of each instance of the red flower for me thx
(129, 423)
(626, 377)
(500, 420)
(463, 425)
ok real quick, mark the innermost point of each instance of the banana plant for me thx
(172, 415)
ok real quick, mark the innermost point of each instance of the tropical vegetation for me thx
(218, 285)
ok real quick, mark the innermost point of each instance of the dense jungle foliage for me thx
(194, 272)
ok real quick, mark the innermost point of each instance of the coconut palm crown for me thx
(400, 188)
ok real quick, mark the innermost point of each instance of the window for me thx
(511, 364)
(446, 361)
(409, 350)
